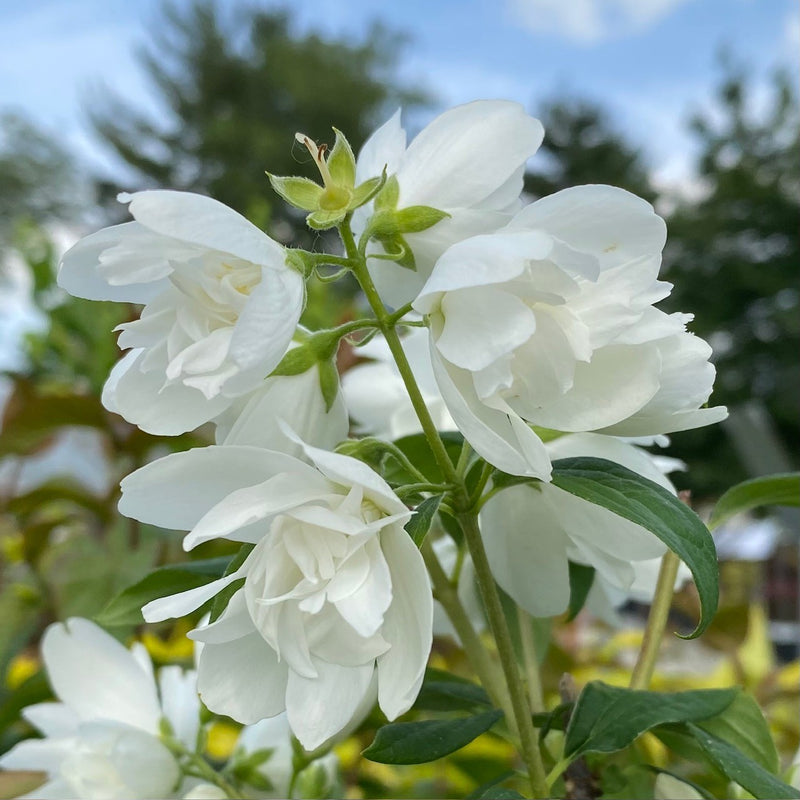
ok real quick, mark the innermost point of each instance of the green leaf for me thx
(609, 718)
(342, 162)
(420, 742)
(772, 490)
(299, 192)
(491, 785)
(419, 452)
(581, 578)
(126, 607)
(742, 725)
(555, 720)
(744, 771)
(419, 525)
(440, 692)
(220, 601)
(387, 198)
(645, 503)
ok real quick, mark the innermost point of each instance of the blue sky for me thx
(650, 61)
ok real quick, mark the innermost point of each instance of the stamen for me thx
(318, 154)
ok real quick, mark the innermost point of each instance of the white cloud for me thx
(590, 21)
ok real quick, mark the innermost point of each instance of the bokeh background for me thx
(692, 104)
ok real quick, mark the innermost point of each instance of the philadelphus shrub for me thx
(525, 336)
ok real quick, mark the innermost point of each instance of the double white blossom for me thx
(335, 597)
(550, 323)
(221, 306)
(468, 162)
(101, 741)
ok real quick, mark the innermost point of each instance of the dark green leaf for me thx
(419, 452)
(34, 690)
(555, 720)
(419, 525)
(581, 578)
(490, 785)
(645, 503)
(450, 695)
(609, 718)
(126, 607)
(742, 725)
(420, 742)
(771, 490)
(746, 772)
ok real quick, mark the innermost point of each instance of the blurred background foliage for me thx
(235, 85)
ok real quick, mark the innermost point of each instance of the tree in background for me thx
(733, 257)
(581, 146)
(235, 88)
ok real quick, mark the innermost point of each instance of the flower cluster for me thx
(532, 333)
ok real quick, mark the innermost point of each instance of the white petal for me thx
(348, 471)
(179, 605)
(258, 503)
(500, 437)
(384, 148)
(407, 626)
(614, 225)
(482, 325)
(467, 153)
(206, 222)
(266, 325)
(79, 274)
(181, 705)
(116, 688)
(177, 490)
(233, 624)
(143, 399)
(617, 383)
(40, 755)
(319, 708)
(482, 261)
(52, 719)
(298, 401)
(527, 550)
(242, 679)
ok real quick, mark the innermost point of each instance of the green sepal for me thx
(387, 199)
(221, 600)
(414, 219)
(328, 382)
(297, 361)
(298, 192)
(342, 162)
(397, 250)
(301, 261)
(364, 192)
(322, 220)
(419, 525)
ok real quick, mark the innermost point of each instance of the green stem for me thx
(530, 660)
(555, 773)
(656, 622)
(194, 764)
(497, 621)
(416, 488)
(481, 660)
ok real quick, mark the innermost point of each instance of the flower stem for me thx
(481, 660)
(522, 715)
(530, 659)
(656, 622)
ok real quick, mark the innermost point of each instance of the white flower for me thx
(468, 162)
(221, 306)
(293, 400)
(531, 532)
(274, 734)
(376, 397)
(335, 595)
(101, 740)
(550, 322)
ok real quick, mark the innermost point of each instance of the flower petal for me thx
(527, 550)
(116, 688)
(203, 221)
(407, 625)
(242, 679)
(319, 708)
